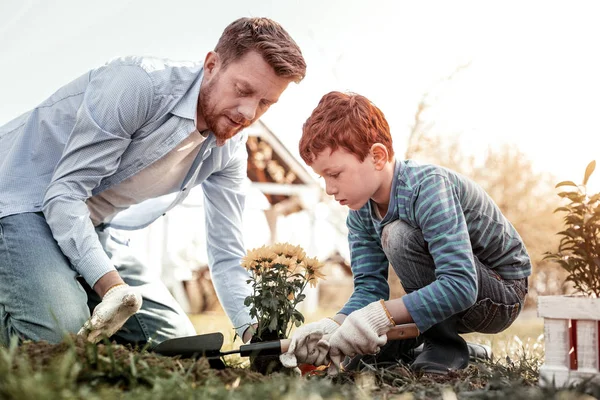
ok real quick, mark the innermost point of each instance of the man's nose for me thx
(248, 109)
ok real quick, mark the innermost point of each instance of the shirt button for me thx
(184, 189)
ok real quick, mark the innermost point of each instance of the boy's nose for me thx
(330, 190)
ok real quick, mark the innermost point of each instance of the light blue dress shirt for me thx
(105, 127)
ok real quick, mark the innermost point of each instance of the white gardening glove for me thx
(306, 346)
(118, 304)
(363, 332)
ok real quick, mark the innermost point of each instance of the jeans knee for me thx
(49, 321)
(399, 236)
(407, 252)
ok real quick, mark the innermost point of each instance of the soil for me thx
(126, 367)
(102, 360)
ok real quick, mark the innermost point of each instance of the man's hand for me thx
(118, 304)
(306, 345)
(363, 332)
(249, 332)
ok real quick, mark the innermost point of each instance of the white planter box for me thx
(571, 326)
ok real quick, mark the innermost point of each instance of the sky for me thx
(523, 72)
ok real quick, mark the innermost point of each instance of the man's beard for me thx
(212, 118)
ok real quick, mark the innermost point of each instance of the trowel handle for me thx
(272, 347)
(398, 332)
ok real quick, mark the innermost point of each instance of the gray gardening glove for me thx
(118, 304)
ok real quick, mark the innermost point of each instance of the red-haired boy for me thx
(463, 265)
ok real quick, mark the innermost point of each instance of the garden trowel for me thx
(209, 345)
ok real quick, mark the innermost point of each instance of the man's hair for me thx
(266, 37)
(344, 120)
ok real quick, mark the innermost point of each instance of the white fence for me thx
(571, 327)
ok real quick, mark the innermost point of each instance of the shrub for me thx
(579, 248)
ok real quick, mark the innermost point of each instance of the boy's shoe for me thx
(392, 354)
(438, 350)
(444, 350)
(477, 352)
(399, 353)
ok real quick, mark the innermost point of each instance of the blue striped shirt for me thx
(106, 126)
(458, 219)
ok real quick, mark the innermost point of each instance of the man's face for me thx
(234, 97)
(350, 181)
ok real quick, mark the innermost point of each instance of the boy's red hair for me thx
(346, 120)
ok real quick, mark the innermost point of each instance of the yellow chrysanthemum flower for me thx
(248, 262)
(283, 260)
(313, 270)
(264, 253)
(288, 250)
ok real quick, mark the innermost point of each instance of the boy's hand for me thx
(305, 346)
(118, 304)
(363, 332)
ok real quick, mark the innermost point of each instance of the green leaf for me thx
(588, 171)
(565, 183)
(575, 197)
(273, 324)
(574, 219)
(594, 198)
(562, 209)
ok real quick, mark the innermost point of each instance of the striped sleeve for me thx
(369, 263)
(437, 211)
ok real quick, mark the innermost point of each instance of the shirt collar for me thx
(187, 106)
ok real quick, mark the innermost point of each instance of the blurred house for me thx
(285, 203)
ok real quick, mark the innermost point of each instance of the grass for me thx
(76, 370)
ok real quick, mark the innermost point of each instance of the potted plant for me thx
(279, 273)
(572, 322)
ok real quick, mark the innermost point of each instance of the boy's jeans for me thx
(41, 296)
(499, 301)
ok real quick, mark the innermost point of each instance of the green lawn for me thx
(75, 370)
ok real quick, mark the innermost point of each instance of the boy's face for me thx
(350, 181)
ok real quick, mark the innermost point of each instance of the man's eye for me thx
(334, 175)
(240, 91)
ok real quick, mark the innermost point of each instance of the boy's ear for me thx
(380, 155)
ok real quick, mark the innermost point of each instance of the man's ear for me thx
(211, 63)
(380, 155)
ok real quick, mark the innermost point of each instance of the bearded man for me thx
(99, 154)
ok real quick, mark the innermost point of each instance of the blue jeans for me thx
(499, 301)
(42, 297)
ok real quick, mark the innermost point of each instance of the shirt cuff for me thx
(94, 266)
(415, 308)
(243, 321)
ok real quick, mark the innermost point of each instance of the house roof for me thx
(273, 169)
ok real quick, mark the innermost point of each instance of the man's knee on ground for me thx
(49, 322)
